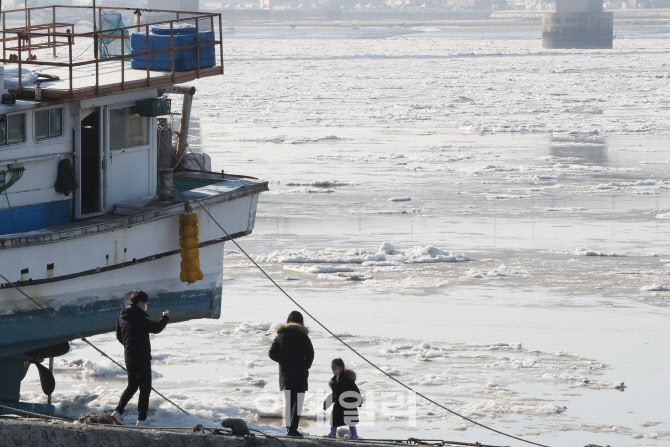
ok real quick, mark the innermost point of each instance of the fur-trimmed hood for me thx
(347, 374)
(291, 327)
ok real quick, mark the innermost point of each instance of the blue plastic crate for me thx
(184, 60)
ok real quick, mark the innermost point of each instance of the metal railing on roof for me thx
(32, 37)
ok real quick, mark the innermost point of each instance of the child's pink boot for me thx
(332, 434)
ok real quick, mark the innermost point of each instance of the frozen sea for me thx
(485, 219)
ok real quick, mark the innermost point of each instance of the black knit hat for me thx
(139, 297)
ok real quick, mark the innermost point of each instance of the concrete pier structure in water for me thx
(578, 24)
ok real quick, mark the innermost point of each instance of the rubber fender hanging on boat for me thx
(191, 277)
(188, 219)
(188, 230)
(190, 253)
(190, 266)
(188, 242)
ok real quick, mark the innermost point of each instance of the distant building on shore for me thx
(174, 5)
(406, 6)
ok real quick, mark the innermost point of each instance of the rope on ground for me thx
(197, 428)
(217, 431)
(82, 338)
(408, 441)
(353, 349)
(424, 442)
(269, 436)
(60, 418)
(33, 414)
(149, 427)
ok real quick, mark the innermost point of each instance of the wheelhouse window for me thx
(12, 129)
(129, 129)
(48, 123)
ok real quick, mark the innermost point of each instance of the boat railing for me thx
(26, 40)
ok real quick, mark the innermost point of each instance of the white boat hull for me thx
(93, 274)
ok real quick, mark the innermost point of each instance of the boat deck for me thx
(201, 189)
(104, 78)
(30, 44)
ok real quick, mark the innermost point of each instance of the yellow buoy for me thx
(188, 242)
(190, 266)
(190, 253)
(188, 219)
(188, 231)
(192, 277)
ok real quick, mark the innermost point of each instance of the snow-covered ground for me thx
(485, 219)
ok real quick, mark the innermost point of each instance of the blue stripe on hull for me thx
(26, 331)
(36, 217)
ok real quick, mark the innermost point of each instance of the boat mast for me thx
(95, 34)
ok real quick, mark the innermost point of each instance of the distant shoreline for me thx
(370, 19)
(419, 23)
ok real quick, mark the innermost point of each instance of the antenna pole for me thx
(95, 33)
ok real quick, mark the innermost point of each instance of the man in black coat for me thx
(132, 330)
(293, 350)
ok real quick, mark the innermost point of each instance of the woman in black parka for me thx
(346, 398)
(293, 350)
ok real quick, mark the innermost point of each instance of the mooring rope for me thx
(269, 436)
(217, 431)
(33, 414)
(82, 338)
(354, 349)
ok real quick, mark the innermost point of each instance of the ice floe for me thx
(649, 424)
(498, 272)
(246, 328)
(320, 269)
(384, 254)
(104, 368)
(321, 183)
(589, 252)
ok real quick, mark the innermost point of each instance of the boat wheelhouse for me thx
(93, 181)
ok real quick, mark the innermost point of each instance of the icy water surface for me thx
(485, 219)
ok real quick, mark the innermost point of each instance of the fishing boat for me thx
(94, 180)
